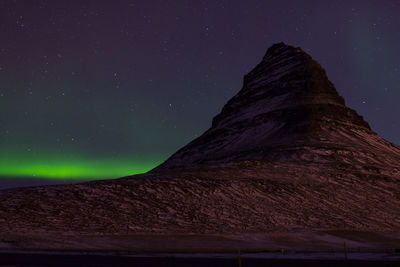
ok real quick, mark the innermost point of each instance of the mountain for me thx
(287, 110)
(284, 165)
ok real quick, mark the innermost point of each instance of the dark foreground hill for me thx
(285, 165)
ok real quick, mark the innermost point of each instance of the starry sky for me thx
(103, 89)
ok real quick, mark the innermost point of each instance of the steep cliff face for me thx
(285, 153)
(287, 110)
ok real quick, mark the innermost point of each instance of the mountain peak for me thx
(291, 68)
(278, 48)
(286, 110)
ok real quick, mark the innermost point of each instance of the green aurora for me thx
(71, 166)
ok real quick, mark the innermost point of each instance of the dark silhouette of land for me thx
(10, 259)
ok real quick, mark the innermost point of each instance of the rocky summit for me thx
(287, 110)
(284, 165)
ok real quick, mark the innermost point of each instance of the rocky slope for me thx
(285, 155)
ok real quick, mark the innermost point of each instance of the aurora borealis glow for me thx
(71, 167)
(103, 89)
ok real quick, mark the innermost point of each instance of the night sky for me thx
(102, 89)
